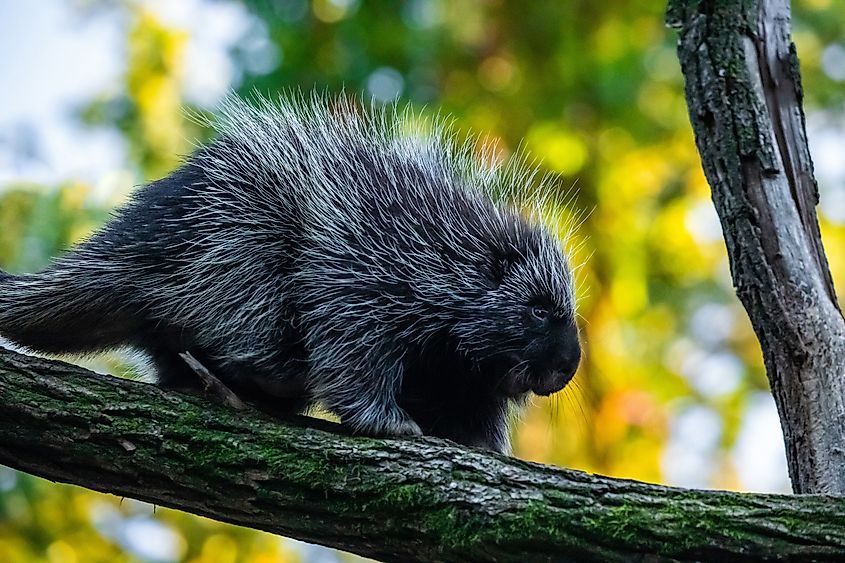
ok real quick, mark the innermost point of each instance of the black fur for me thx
(328, 279)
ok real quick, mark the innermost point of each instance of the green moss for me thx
(461, 529)
(456, 529)
(411, 496)
(301, 468)
(615, 522)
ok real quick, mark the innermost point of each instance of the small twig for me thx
(213, 386)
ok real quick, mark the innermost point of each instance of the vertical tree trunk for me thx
(744, 95)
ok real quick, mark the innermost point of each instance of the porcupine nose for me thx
(567, 356)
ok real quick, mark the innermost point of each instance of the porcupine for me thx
(321, 252)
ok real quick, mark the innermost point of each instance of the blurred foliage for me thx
(594, 90)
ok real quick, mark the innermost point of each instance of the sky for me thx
(53, 60)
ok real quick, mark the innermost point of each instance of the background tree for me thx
(744, 93)
(673, 386)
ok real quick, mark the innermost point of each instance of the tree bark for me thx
(743, 90)
(404, 500)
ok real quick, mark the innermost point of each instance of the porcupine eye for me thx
(539, 313)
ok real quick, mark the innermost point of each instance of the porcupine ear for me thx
(502, 263)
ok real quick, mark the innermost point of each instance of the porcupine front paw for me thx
(382, 423)
(406, 427)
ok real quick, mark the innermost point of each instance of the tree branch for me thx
(744, 94)
(410, 500)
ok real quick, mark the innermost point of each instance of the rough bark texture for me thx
(397, 500)
(743, 90)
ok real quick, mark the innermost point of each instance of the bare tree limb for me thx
(211, 384)
(407, 500)
(744, 94)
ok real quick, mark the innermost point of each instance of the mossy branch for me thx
(408, 500)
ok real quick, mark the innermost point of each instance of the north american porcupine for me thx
(318, 252)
